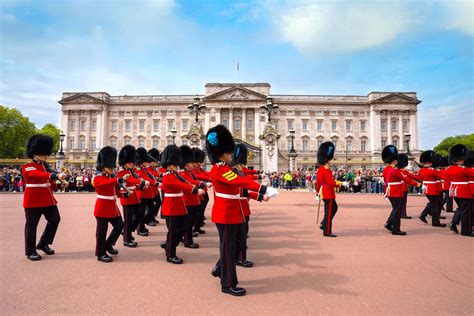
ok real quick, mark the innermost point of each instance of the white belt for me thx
(394, 183)
(38, 185)
(430, 182)
(228, 196)
(174, 194)
(105, 197)
(131, 188)
(243, 198)
(470, 182)
(465, 182)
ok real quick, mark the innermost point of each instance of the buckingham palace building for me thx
(360, 126)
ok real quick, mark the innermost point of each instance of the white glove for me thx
(318, 198)
(423, 188)
(271, 192)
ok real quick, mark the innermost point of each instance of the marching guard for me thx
(202, 175)
(154, 154)
(38, 198)
(147, 195)
(402, 163)
(106, 211)
(227, 212)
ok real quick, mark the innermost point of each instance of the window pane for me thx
(94, 125)
(362, 146)
(83, 125)
(348, 125)
(290, 124)
(320, 125)
(249, 123)
(305, 125)
(185, 125)
(155, 143)
(156, 125)
(333, 125)
(362, 125)
(237, 124)
(72, 123)
(141, 125)
(114, 126)
(170, 124)
(383, 125)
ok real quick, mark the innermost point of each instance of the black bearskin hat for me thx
(437, 160)
(171, 155)
(457, 152)
(154, 154)
(427, 156)
(389, 154)
(127, 154)
(106, 158)
(325, 152)
(187, 155)
(142, 156)
(402, 161)
(199, 155)
(444, 162)
(39, 144)
(469, 161)
(240, 154)
(218, 142)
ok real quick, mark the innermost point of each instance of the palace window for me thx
(127, 141)
(113, 142)
(333, 125)
(184, 141)
(349, 145)
(405, 125)
(348, 125)
(82, 142)
(290, 124)
(319, 141)
(305, 125)
(362, 145)
(93, 143)
(395, 141)
(94, 124)
(362, 126)
(384, 142)
(156, 125)
(305, 145)
(141, 142)
(383, 124)
(319, 125)
(249, 123)
(184, 125)
(170, 141)
(394, 125)
(170, 124)
(155, 142)
(141, 125)
(225, 122)
(72, 124)
(71, 142)
(83, 125)
(237, 124)
(113, 126)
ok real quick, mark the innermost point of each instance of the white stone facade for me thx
(359, 125)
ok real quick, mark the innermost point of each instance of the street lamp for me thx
(407, 141)
(292, 136)
(197, 107)
(292, 153)
(269, 107)
(173, 133)
(61, 140)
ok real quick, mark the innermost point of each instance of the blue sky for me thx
(300, 47)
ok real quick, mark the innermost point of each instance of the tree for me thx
(447, 143)
(51, 130)
(15, 129)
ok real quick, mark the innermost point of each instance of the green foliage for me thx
(51, 130)
(447, 143)
(15, 129)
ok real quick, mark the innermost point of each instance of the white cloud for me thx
(459, 15)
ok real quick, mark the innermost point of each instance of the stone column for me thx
(401, 140)
(269, 149)
(257, 125)
(104, 130)
(65, 128)
(373, 130)
(389, 128)
(98, 131)
(207, 120)
(78, 127)
(231, 121)
(218, 116)
(88, 130)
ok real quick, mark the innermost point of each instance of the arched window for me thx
(82, 142)
(155, 141)
(113, 142)
(141, 141)
(127, 140)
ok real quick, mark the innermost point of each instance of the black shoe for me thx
(406, 217)
(453, 228)
(200, 231)
(34, 257)
(399, 233)
(467, 234)
(111, 250)
(132, 238)
(236, 291)
(155, 221)
(163, 245)
(442, 217)
(143, 233)
(195, 234)
(449, 211)
(130, 244)
(388, 227)
(104, 258)
(439, 225)
(45, 249)
(321, 227)
(245, 264)
(175, 260)
(330, 235)
(192, 246)
(423, 219)
(151, 223)
(215, 272)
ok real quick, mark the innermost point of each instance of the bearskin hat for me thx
(39, 144)
(187, 155)
(437, 161)
(218, 142)
(154, 154)
(402, 161)
(127, 154)
(171, 155)
(389, 154)
(325, 152)
(106, 158)
(427, 156)
(199, 155)
(142, 156)
(469, 161)
(444, 162)
(240, 154)
(457, 152)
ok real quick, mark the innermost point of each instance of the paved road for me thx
(297, 271)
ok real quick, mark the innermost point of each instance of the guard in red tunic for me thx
(402, 163)
(146, 196)
(432, 187)
(445, 184)
(38, 198)
(106, 211)
(460, 177)
(154, 154)
(173, 209)
(326, 186)
(202, 175)
(227, 211)
(394, 180)
(130, 203)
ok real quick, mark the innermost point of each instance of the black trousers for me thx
(448, 201)
(33, 215)
(101, 233)
(199, 218)
(404, 204)
(433, 208)
(138, 222)
(128, 214)
(464, 215)
(330, 209)
(175, 226)
(157, 201)
(189, 222)
(243, 253)
(148, 211)
(394, 218)
(230, 245)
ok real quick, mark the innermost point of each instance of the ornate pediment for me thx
(81, 98)
(236, 93)
(396, 98)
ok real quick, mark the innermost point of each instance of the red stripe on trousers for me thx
(227, 256)
(328, 224)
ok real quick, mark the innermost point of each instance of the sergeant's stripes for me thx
(230, 175)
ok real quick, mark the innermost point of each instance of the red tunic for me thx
(431, 180)
(106, 189)
(410, 175)
(227, 208)
(325, 183)
(147, 193)
(459, 176)
(132, 184)
(151, 170)
(39, 186)
(174, 189)
(394, 180)
(189, 198)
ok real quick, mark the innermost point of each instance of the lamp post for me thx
(269, 107)
(197, 107)
(292, 152)
(60, 156)
(173, 134)
(407, 142)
